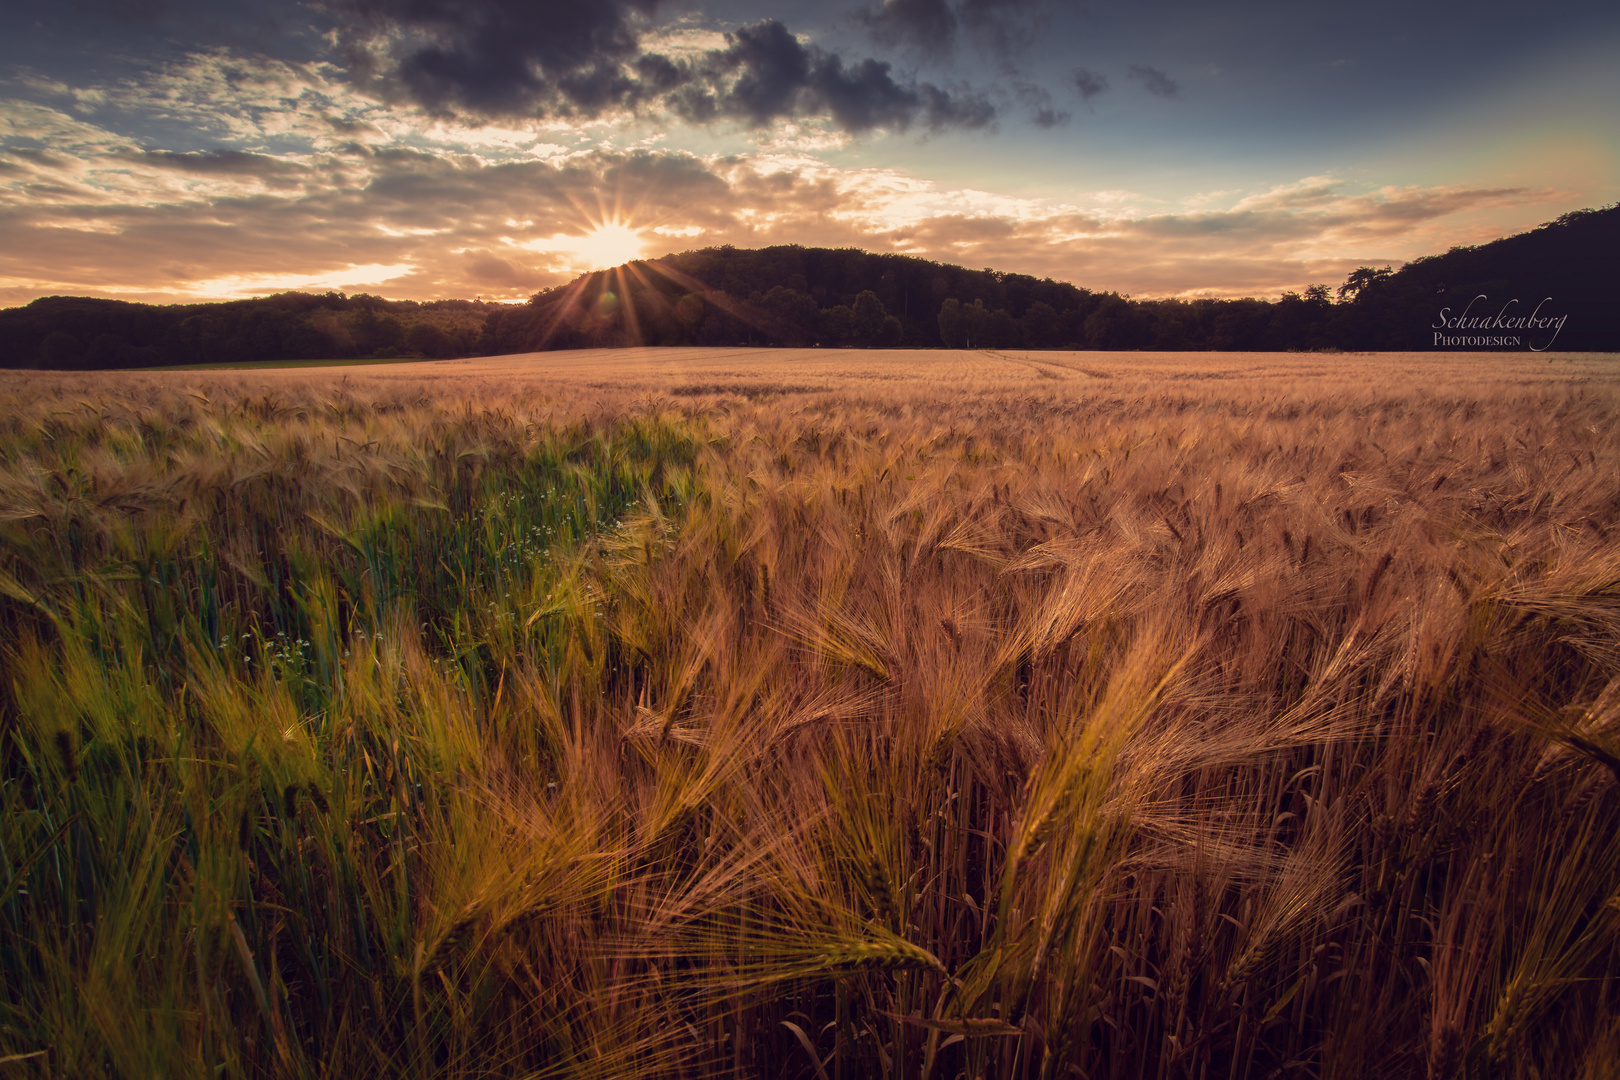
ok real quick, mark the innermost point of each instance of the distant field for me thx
(278, 365)
(813, 713)
(753, 371)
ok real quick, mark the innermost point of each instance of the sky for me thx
(187, 150)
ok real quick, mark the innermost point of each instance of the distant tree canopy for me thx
(77, 332)
(798, 296)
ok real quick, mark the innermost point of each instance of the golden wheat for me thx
(813, 713)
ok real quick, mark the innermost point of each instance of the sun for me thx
(609, 244)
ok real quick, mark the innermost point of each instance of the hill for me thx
(797, 296)
(1562, 271)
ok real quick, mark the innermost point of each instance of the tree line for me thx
(1508, 292)
(88, 333)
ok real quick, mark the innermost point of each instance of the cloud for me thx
(928, 26)
(1309, 231)
(1038, 100)
(503, 57)
(216, 96)
(933, 27)
(493, 59)
(1087, 83)
(27, 124)
(1005, 26)
(1155, 81)
(768, 71)
(205, 225)
(766, 74)
(423, 222)
(221, 163)
(355, 129)
(482, 266)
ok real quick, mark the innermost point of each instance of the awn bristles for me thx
(519, 722)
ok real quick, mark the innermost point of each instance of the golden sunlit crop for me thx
(689, 712)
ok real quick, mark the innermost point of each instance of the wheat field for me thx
(813, 714)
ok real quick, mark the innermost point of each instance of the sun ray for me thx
(740, 310)
(632, 323)
(569, 305)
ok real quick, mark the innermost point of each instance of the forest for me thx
(1541, 289)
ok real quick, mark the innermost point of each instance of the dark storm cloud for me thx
(864, 96)
(770, 71)
(765, 74)
(1155, 81)
(536, 58)
(502, 57)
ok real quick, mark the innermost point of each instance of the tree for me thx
(1041, 326)
(866, 318)
(689, 313)
(1116, 323)
(952, 328)
(109, 351)
(1000, 330)
(259, 336)
(793, 315)
(375, 335)
(427, 339)
(837, 325)
(1360, 279)
(61, 351)
(976, 325)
